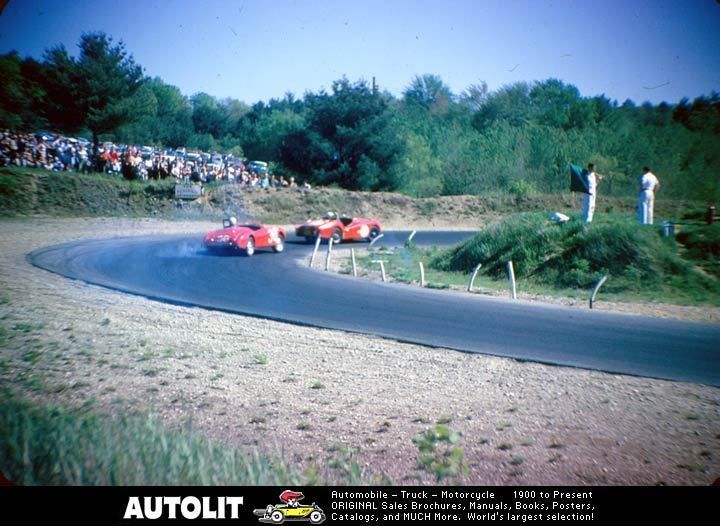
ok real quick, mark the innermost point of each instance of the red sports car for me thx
(245, 238)
(339, 228)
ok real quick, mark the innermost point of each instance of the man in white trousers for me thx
(649, 184)
(588, 199)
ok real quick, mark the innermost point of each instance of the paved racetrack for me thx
(177, 269)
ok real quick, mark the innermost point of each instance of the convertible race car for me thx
(245, 238)
(339, 228)
(291, 510)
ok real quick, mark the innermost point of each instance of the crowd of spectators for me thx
(59, 153)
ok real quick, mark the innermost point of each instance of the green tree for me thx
(21, 94)
(354, 123)
(101, 90)
(208, 116)
(429, 92)
(510, 103)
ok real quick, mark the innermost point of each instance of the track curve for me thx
(177, 269)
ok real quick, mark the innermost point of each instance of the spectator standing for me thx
(41, 152)
(649, 184)
(588, 199)
(82, 159)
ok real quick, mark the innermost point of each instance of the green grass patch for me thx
(24, 327)
(260, 358)
(53, 445)
(439, 453)
(701, 244)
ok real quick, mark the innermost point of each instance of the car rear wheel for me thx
(280, 244)
(250, 248)
(336, 235)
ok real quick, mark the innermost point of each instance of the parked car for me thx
(259, 167)
(245, 238)
(193, 156)
(343, 228)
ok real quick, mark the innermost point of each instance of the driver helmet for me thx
(233, 221)
(330, 215)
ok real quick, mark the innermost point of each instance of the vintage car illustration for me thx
(245, 238)
(342, 228)
(290, 510)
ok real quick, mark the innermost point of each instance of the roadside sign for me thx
(188, 191)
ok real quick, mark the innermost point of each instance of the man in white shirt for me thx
(649, 184)
(588, 199)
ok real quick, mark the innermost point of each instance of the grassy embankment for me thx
(25, 191)
(567, 260)
(29, 192)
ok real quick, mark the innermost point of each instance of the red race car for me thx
(339, 228)
(245, 238)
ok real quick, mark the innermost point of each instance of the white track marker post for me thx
(474, 275)
(410, 238)
(422, 274)
(596, 288)
(511, 276)
(373, 241)
(354, 263)
(317, 246)
(382, 268)
(329, 253)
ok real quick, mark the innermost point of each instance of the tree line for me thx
(429, 141)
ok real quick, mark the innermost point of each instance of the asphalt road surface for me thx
(177, 269)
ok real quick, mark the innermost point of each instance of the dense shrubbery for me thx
(576, 255)
(519, 138)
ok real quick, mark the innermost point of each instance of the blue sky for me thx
(644, 50)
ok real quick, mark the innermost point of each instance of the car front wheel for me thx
(277, 517)
(250, 248)
(336, 235)
(316, 517)
(374, 232)
(279, 245)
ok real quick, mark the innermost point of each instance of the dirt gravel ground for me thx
(320, 397)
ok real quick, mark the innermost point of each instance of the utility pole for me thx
(374, 87)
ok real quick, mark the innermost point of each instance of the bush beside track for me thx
(576, 255)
